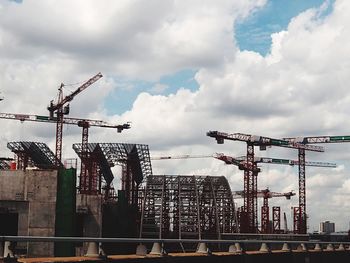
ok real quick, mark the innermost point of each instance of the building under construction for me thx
(40, 196)
(40, 199)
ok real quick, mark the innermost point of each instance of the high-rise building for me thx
(327, 227)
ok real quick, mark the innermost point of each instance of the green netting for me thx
(65, 211)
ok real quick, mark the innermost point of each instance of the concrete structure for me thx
(89, 214)
(327, 227)
(28, 207)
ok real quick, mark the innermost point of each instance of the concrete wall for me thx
(92, 207)
(32, 194)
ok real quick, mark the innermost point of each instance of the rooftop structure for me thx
(37, 153)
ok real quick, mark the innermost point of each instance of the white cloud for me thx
(127, 38)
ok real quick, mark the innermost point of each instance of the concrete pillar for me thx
(341, 247)
(330, 247)
(286, 247)
(157, 249)
(7, 250)
(264, 248)
(202, 248)
(141, 250)
(232, 249)
(301, 247)
(238, 248)
(318, 247)
(92, 250)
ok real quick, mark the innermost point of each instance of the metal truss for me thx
(97, 159)
(249, 222)
(302, 192)
(265, 219)
(276, 219)
(296, 220)
(187, 207)
(4, 165)
(36, 152)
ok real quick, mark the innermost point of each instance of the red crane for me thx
(266, 194)
(249, 215)
(62, 110)
(85, 177)
(299, 224)
(242, 164)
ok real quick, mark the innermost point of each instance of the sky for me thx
(177, 69)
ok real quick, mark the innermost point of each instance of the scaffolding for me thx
(187, 207)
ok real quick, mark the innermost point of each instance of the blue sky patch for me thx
(254, 33)
(122, 98)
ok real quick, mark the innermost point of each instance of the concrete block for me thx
(42, 214)
(41, 249)
(11, 183)
(141, 250)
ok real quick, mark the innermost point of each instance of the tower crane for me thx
(299, 221)
(61, 109)
(185, 156)
(243, 165)
(250, 173)
(266, 194)
(84, 123)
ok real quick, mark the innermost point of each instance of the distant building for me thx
(327, 227)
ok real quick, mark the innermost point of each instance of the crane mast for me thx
(300, 212)
(62, 110)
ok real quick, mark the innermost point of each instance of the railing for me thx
(159, 245)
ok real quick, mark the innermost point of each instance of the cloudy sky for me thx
(177, 69)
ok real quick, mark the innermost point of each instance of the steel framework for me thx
(4, 163)
(276, 219)
(296, 220)
(187, 207)
(37, 153)
(302, 193)
(97, 159)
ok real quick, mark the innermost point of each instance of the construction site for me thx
(42, 194)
